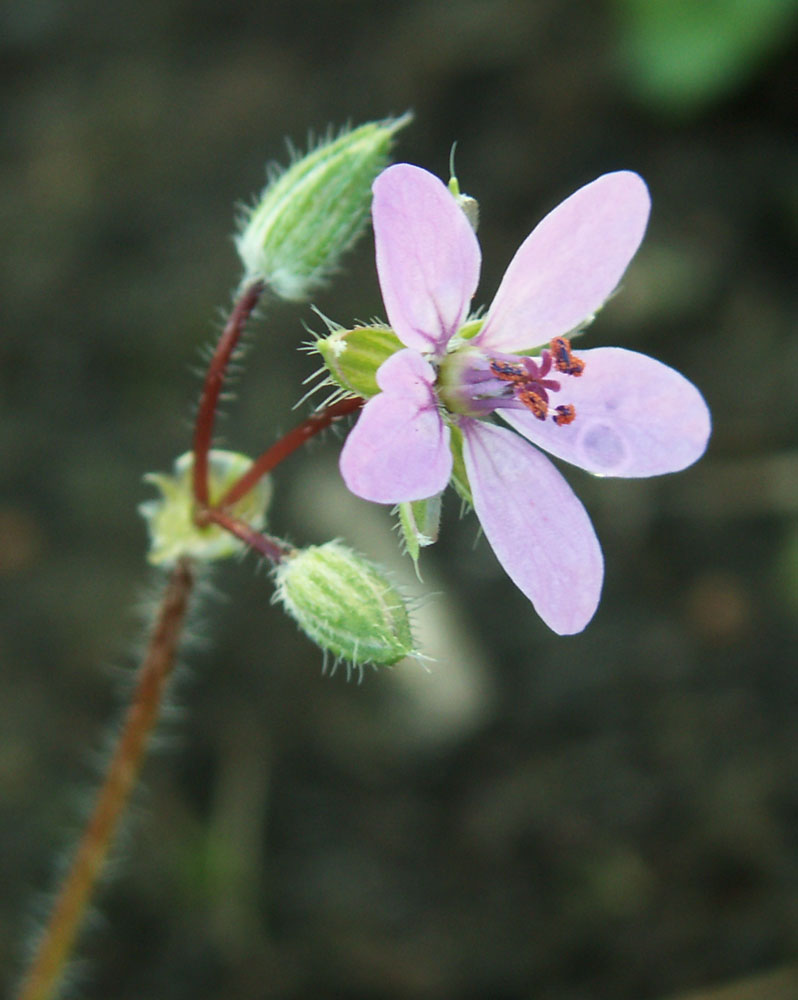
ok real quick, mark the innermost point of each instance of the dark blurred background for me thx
(606, 817)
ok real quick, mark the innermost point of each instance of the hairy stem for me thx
(274, 549)
(49, 963)
(286, 445)
(214, 379)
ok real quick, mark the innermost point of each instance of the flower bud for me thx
(352, 357)
(170, 519)
(313, 211)
(345, 604)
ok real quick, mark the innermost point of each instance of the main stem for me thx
(206, 413)
(47, 968)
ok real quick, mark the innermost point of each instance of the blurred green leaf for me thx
(681, 55)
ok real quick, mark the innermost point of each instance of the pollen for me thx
(565, 414)
(564, 360)
(534, 403)
(509, 372)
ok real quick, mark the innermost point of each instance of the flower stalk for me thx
(272, 548)
(214, 380)
(288, 444)
(218, 511)
(52, 954)
(289, 241)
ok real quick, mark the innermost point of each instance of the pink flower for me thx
(622, 413)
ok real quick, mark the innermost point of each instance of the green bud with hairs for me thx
(345, 604)
(310, 213)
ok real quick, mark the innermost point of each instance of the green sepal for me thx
(420, 521)
(459, 474)
(468, 205)
(170, 519)
(352, 357)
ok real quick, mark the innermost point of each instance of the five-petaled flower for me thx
(622, 413)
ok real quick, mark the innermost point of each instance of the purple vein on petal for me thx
(428, 258)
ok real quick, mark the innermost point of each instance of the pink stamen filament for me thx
(510, 381)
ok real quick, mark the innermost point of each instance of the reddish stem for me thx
(286, 445)
(206, 413)
(47, 968)
(274, 550)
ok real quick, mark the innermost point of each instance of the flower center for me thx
(477, 384)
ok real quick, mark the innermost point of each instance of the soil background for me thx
(611, 816)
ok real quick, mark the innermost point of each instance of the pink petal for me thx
(537, 527)
(428, 257)
(634, 417)
(399, 448)
(569, 264)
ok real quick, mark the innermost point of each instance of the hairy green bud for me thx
(313, 211)
(170, 519)
(352, 357)
(345, 604)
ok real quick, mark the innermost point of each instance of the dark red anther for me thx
(566, 414)
(564, 360)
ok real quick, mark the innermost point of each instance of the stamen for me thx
(534, 403)
(485, 384)
(509, 372)
(566, 414)
(564, 360)
(526, 384)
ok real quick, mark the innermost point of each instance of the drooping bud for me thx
(170, 519)
(345, 604)
(352, 357)
(313, 211)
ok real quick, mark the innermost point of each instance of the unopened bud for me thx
(170, 519)
(313, 211)
(345, 604)
(352, 357)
